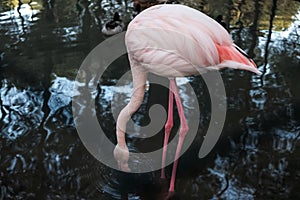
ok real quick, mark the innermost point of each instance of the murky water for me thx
(42, 45)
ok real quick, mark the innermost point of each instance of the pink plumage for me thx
(182, 39)
(173, 41)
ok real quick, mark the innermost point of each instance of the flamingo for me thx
(173, 40)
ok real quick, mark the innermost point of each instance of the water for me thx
(43, 44)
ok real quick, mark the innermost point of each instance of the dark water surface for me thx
(42, 45)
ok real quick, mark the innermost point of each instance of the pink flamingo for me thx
(173, 41)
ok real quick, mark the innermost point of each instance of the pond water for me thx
(43, 44)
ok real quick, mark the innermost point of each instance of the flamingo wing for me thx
(176, 40)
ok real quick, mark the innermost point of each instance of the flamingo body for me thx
(173, 41)
(183, 40)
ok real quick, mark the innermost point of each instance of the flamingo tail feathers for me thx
(234, 57)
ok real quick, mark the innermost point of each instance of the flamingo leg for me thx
(168, 128)
(182, 132)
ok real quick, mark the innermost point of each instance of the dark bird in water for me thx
(114, 26)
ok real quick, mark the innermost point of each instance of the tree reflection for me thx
(272, 16)
(42, 157)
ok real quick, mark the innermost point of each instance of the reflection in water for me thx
(41, 157)
(22, 16)
(21, 111)
(272, 16)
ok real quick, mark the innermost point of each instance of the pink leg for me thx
(182, 132)
(168, 128)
